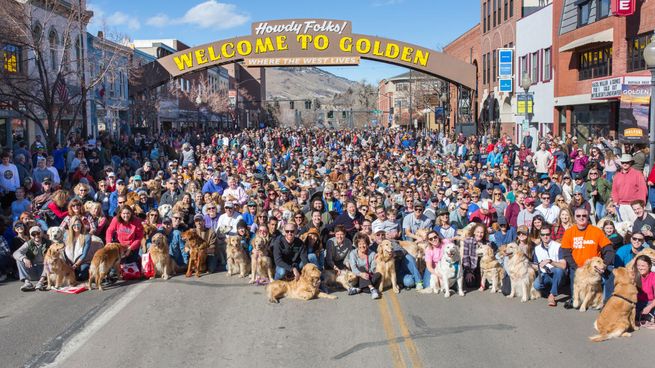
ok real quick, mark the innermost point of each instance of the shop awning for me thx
(583, 99)
(600, 37)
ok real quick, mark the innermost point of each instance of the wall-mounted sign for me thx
(636, 80)
(623, 8)
(505, 85)
(633, 114)
(505, 63)
(606, 88)
(524, 101)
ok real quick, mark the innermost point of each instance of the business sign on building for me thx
(505, 85)
(606, 88)
(524, 102)
(633, 114)
(623, 8)
(636, 80)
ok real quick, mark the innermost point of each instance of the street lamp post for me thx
(649, 57)
(444, 101)
(526, 82)
(198, 103)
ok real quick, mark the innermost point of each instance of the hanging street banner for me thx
(290, 42)
(633, 114)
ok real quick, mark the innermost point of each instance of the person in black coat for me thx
(289, 253)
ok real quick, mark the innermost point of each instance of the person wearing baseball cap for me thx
(528, 213)
(30, 260)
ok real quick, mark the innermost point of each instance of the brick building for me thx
(467, 48)
(590, 44)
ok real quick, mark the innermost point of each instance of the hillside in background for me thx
(295, 83)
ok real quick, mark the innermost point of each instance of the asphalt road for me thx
(221, 321)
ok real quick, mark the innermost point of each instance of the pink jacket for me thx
(628, 187)
(129, 235)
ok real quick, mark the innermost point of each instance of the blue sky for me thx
(429, 23)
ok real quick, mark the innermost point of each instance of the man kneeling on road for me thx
(29, 260)
(551, 267)
(289, 253)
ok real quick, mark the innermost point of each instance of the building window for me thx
(546, 64)
(505, 10)
(11, 58)
(53, 39)
(534, 67)
(602, 9)
(595, 63)
(636, 52)
(484, 17)
(488, 15)
(494, 20)
(484, 69)
(523, 66)
(493, 53)
(500, 11)
(511, 8)
(584, 12)
(488, 71)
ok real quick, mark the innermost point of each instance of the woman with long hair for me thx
(433, 253)
(563, 222)
(77, 245)
(537, 224)
(125, 228)
(56, 210)
(609, 229)
(524, 242)
(100, 220)
(611, 164)
(76, 208)
(478, 236)
(645, 281)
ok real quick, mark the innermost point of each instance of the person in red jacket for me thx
(628, 185)
(125, 228)
(651, 187)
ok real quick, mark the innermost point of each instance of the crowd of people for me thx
(562, 201)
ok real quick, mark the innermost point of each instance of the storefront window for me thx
(592, 121)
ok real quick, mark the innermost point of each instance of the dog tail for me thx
(602, 337)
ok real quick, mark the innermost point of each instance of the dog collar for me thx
(624, 298)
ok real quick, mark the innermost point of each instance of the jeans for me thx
(651, 197)
(33, 274)
(317, 259)
(212, 263)
(600, 210)
(609, 175)
(280, 272)
(607, 279)
(552, 280)
(426, 277)
(82, 272)
(407, 271)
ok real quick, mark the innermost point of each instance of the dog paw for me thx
(524, 300)
(582, 309)
(510, 296)
(446, 295)
(396, 290)
(461, 293)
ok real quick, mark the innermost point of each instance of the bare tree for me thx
(45, 83)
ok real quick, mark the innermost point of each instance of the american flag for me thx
(61, 89)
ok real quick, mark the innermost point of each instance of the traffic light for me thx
(291, 105)
(330, 114)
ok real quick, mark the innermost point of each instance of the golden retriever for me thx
(103, 261)
(56, 234)
(587, 287)
(57, 270)
(196, 246)
(164, 264)
(346, 279)
(261, 264)
(521, 273)
(618, 315)
(305, 288)
(385, 264)
(490, 269)
(237, 259)
(148, 232)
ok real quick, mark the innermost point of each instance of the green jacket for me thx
(604, 190)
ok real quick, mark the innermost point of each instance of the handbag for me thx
(130, 271)
(147, 266)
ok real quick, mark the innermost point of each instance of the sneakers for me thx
(419, 286)
(375, 294)
(27, 286)
(353, 291)
(568, 304)
(551, 301)
(41, 285)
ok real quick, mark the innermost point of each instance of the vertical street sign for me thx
(505, 85)
(505, 63)
(623, 8)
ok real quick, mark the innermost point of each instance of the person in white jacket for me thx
(9, 179)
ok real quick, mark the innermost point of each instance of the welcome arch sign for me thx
(313, 42)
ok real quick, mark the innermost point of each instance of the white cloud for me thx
(116, 19)
(388, 2)
(210, 14)
(122, 19)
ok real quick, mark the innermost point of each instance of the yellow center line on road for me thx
(404, 331)
(396, 356)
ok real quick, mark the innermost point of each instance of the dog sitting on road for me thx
(261, 264)
(196, 246)
(618, 316)
(164, 264)
(237, 259)
(588, 287)
(385, 264)
(305, 288)
(450, 270)
(490, 269)
(521, 273)
(103, 261)
(58, 272)
(346, 279)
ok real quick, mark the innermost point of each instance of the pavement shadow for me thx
(425, 332)
(193, 281)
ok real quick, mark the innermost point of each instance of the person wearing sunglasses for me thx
(433, 253)
(551, 266)
(29, 260)
(626, 253)
(584, 241)
(289, 253)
